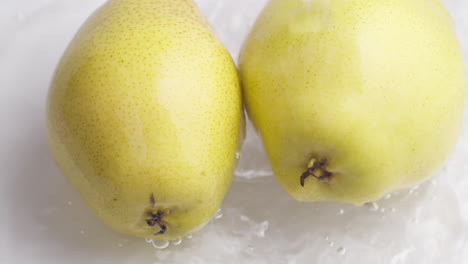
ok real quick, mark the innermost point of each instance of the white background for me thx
(43, 220)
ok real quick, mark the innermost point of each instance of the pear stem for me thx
(317, 169)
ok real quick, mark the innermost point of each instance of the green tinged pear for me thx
(144, 117)
(353, 98)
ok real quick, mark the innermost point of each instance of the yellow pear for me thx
(144, 117)
(353, 98)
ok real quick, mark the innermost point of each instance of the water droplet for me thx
(238, 155)
(69, 203)
(374, 206)
(218, 214)
(393, 209)
(250, 250)
(177, 242)
(189, 237)
(331, 243)
(412, 190)
(148, 240)
(82, 232)
(260, 229)
(341, 250)
(340, 212)
(387, 196)
(382, 210)
(120, 245)
(244, 218)
(327, 238)
(160, 244)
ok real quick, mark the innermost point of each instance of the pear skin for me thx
(144, 117)
(353, 99)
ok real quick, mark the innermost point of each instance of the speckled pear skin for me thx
(144, 116)
(372, 89)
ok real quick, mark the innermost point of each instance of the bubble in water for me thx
(120, 245)
(189, 237)
(382, 210)
(238, 155)
(148, 240)
(177, 242)
(341, 250)
(327, 238)
(434, 182)
(393, 209)
(218, 214)
(340, 212)
(373, 206)
(82, 232)
(160, 244)
(331, 243)
(387, 196)
(69, 203)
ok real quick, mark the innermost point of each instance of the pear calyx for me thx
(317, 169)
(156, 218)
